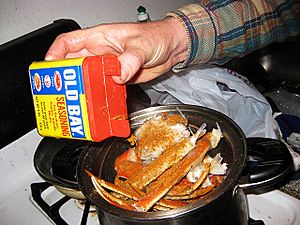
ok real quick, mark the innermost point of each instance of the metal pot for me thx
(225, 205)
(55, 160)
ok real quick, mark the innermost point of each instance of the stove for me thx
(61, 209)
(19, 206)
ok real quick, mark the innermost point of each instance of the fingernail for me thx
(118, 79)
(49, 57)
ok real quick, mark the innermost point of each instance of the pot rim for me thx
(228, 183)
(70, 192)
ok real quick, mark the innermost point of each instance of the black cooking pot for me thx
(55, 160)
(227, 204)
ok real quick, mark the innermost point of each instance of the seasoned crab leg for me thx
(171, 155)
(160, 208)
(127, 168)
(185, 190)
(173, 175)
(127, 163)
(110, 198)
(128, 192)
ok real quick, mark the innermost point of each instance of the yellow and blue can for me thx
(77, 98)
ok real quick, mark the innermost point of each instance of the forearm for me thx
(221, 30)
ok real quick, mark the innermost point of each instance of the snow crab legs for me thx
(142, 184)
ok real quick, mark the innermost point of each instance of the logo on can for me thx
(47, 81)
(57, 80)
(37, 82)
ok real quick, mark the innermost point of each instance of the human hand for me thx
(145, 50)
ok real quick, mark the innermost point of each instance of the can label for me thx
(59, 99)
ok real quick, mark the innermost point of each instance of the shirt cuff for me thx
(200, 31)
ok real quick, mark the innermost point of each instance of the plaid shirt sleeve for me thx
(220, 30)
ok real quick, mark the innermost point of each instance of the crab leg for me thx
(171, 155)
(186, 190)
(128, 192)
(170, 203)
(160, 208)
(164, 161)
(128, 155)
(110, 198)
(128, 168)
(201, 179)
(197, 193)
(127, 163)
(173, 175)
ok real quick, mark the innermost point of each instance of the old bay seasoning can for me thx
(77, 98)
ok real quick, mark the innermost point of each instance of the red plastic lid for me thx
(106, 100)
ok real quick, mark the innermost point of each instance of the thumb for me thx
(131, 61)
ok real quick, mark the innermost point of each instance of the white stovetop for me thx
(17, 173)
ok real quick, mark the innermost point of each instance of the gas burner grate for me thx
(256, 222)
(52, 211)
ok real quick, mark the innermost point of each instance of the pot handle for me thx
(269, 162)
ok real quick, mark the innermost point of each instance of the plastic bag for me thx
(219, 89)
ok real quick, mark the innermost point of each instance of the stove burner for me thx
(82, 203)
(53, 211)
(64, 164)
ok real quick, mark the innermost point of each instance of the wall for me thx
(18, 17)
